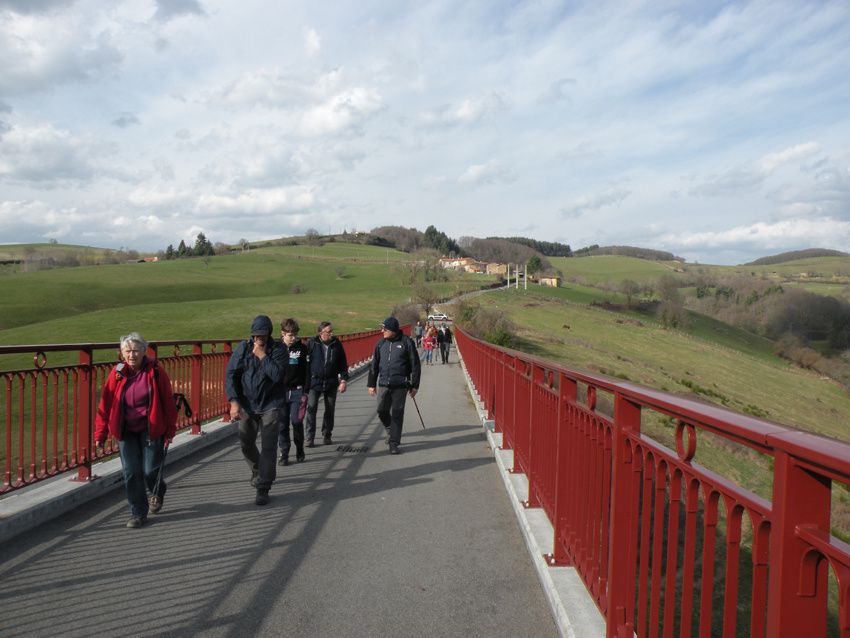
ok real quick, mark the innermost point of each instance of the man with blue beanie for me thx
(255, 389)
(393, 374)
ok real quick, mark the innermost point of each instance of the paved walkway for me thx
(355, 542)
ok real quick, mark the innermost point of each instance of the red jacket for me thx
(162, 412)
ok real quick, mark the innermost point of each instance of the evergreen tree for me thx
(169, 252)
(182, 249)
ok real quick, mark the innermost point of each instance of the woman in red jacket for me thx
(137, 408)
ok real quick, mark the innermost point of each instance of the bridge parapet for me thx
(665, 545)
(47, 410)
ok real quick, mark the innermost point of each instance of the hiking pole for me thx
(155, 491)
(418, 412)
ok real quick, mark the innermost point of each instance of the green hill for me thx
(353, 285)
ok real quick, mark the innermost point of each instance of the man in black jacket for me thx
(393, 374)
(254, 385)
(444, 339)
(297, 381)
(328, 375)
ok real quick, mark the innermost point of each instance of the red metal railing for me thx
(665, 546)
(48, 412)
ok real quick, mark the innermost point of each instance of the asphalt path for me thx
(355, 542)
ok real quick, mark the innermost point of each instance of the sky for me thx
(718, 131)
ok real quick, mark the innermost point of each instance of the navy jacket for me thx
(395, 364)
(326, 373)
(257, 385)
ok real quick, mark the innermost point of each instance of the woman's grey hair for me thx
(134, 337)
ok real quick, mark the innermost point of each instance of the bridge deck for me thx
(353, 543)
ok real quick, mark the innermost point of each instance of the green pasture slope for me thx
(354, 286)
(819, 268)
(730, 370)
(611, 269)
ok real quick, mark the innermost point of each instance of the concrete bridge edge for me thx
(573, 609)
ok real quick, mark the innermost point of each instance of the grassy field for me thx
(711, 361)
(354, 286)
(823, 268)
(607, 269)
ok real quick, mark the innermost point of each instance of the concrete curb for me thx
(31, 506)
(573, 609)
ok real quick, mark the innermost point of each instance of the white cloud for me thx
(586, 203)
(489, 173)
(277, 116)
(821, 232)
(343, 111)
(252, 202)
(312, 41)
(167, 10)
(41, 52)
(45, 155)
(772, 161)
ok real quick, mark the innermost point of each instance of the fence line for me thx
(665, 546)
(48, 411)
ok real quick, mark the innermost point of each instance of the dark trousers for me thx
(141, 459)
(313, 407)
(262, 461)
(391, 411)
(290, 416)
(445, 348)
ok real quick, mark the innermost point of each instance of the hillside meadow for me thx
(354, 286)
(710, 362)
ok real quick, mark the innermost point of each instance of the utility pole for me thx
(525, 278)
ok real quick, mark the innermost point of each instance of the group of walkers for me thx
(271, 385)
(431, 338)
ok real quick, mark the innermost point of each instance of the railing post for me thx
(196, 395)
(800, 498)
(621, 568)
(228, 350)
(85, 414)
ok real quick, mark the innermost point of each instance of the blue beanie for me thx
(391, 323)
(262, 326)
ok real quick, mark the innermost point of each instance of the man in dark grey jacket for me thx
(328, 375)
(255, 389)
(393, 374)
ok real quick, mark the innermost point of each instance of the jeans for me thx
(141, 459)
(429, 354)
(391, 411)
(290, 415)
(313, 407)
(262, 461)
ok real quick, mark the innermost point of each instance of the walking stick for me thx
(418, 412)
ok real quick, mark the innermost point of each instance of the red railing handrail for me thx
(53, 407)
(624, 507)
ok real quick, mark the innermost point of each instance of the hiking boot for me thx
(155, 503)
(310, 442)
(327, 439)
(136, 522)
(284, 460)
(262, 497)
(394, 448)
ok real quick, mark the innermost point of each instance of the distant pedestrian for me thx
(418, 332)
(393, 374)
(328, 376)
(297, 382)
(257, 395)
(429, 343)
(137, 408)
(444, 339)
